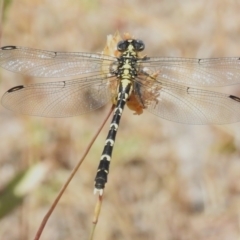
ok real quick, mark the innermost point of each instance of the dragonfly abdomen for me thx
(103, 168)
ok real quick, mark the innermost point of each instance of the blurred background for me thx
(167, 181)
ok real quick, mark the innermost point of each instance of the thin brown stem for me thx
(48, 214)
(96, 214)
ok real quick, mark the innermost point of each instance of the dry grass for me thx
(167, 180)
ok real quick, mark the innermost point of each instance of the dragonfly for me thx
(164, 86)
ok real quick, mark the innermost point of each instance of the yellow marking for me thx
(109, 141)
(101, 170)
(125, 83)
(108, 158)
(126, 66)
(96, 190)
(130, 48)
(120, 111)
(125, 96)
(114, 125)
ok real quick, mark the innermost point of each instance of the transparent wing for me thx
(59, 99)
(195, 72)
(189, 105)
(40, 63)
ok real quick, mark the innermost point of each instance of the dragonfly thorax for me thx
(128, 60)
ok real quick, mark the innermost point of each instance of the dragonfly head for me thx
(131, 44)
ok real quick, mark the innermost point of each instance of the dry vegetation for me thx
(167, 180)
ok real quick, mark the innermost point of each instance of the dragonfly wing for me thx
(195, 72)
(40, 63)
(58, 99)
(189, 105)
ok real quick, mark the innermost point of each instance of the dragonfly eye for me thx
(138, 45)
(122, 46)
